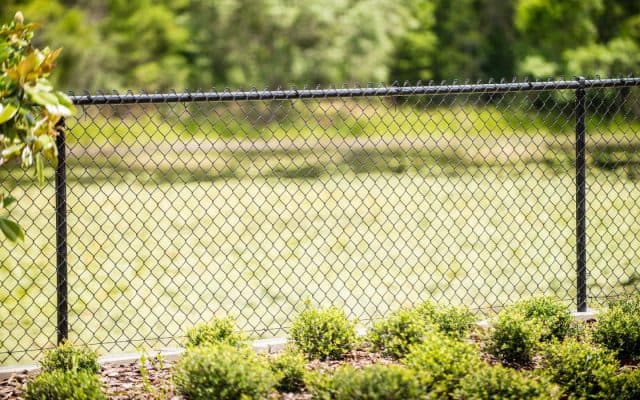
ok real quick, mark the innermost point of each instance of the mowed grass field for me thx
(175, 231)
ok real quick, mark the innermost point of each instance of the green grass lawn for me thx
(254, 232)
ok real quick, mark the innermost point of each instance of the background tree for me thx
(414, 50)
(547, 28)
(151, 45)
(457, 54)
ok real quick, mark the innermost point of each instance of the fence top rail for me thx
(227, 95)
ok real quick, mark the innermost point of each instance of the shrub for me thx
(453, 321)
(627, 385)
(553, 317)
(441, 362)
(323, 333)
(66, 357)
(318, 384)
(514, 338)
(498, 382)
(373, 382)
(289, 368)
(64, 385)
(427, 310)
(393, 335)
(618, 329)
(219, 330)
(222, 371)
(582, 370)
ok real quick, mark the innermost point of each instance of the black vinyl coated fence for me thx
(169, 209)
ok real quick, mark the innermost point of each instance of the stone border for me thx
(263, 346)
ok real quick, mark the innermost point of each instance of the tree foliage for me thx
(145, 44)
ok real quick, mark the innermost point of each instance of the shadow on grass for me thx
(307, 165)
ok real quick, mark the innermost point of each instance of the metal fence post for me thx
(62, 309)
(581, 174)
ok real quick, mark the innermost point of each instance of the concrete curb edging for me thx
(261, 346)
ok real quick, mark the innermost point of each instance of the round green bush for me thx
(67, 357)
(498, 382)
(582, 370)
(452, 321)
(64, 385)
(218, 330)
(289, 367)
(618, 329)
(553, 317)
(395, 334)
(514, 338)
(222, 371)
(427, 310)
(440, 362)
(323, 333)
(455, 321)
(627, 385)
(373, 382)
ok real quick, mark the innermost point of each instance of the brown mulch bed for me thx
(125, 381)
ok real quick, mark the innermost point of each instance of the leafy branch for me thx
(30, 109)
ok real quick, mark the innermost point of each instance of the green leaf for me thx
(59, 109)
(43, 98)
(7, 111)
(43, 84)
(11, 230)
(4, 51)
(26, 65)
(66, 101)
(7, 201)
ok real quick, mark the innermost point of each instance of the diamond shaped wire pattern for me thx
(179, 211)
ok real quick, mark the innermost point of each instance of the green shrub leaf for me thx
(11, 230)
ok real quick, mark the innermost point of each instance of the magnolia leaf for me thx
(42, 97)
(59, 109)
(31, 62)
(7, 201)
(11, 230)
(7, 111)
(65, 101)
(42, 84)
(49, 59)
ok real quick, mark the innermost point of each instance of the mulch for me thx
(126, 381)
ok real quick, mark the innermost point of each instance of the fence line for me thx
(304, 141)
(228, 95)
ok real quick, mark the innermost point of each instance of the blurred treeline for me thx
(198, 44)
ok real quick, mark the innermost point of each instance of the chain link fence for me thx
(181, 207)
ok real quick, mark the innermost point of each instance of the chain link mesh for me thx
(181, 211)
